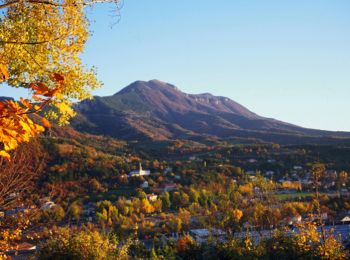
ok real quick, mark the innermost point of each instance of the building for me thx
(297, 168)
(345, 220)
(169, 187)
(202, 235)
(168, 170)
(139, 172)
(144, 185)
(48, 205)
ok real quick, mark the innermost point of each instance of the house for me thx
(144, 185)
(269, 173)
(22, 251)
(202, 235)
(331, 173)
(345, 220)
(169, 187)
(297, 168)
(48, 205)
(139, 172)
(251, 173)
(88, 211)
(168, 170)
(26, 247)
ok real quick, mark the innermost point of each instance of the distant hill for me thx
(157, 110)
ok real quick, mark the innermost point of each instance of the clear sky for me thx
(288, 59)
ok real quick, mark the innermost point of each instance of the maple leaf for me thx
(45, 122)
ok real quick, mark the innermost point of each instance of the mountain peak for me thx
(158, 110)
(141, 85)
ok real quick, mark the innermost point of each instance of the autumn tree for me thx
(318, 171)
(65, 243)
(75, 211)
(107, 213)
(18, 175)
(40, 47)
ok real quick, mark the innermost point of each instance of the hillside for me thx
(160, 111)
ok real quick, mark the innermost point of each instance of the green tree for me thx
(166, 203)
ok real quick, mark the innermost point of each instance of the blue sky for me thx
(288, 59)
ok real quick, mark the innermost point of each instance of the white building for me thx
(297, 168)
(139, 172)
(345, 219)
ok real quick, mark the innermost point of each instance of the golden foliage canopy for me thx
(41, 42)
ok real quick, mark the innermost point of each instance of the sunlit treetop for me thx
(40, 46)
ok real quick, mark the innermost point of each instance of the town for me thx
(219, 192)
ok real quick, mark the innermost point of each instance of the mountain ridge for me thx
(158, 110)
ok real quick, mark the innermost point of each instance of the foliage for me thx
(40, 48)
(85, 244)
(306, 244)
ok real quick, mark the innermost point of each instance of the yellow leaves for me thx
(248, 243)
(33, 51)
(4, 74)
(64, 108)
(15, 128)
(246, 188)
(44, 60)
(308, 241)
(6, 155)
(237, 214)
(15, 125)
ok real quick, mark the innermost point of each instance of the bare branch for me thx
(17, 176)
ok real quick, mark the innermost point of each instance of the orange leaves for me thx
(59, 78)
(45, 123)
(237, 214)
(39, 88)
(15, 125)
(4, 74)
(184, 242)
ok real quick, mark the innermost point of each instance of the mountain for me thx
(160, 111)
